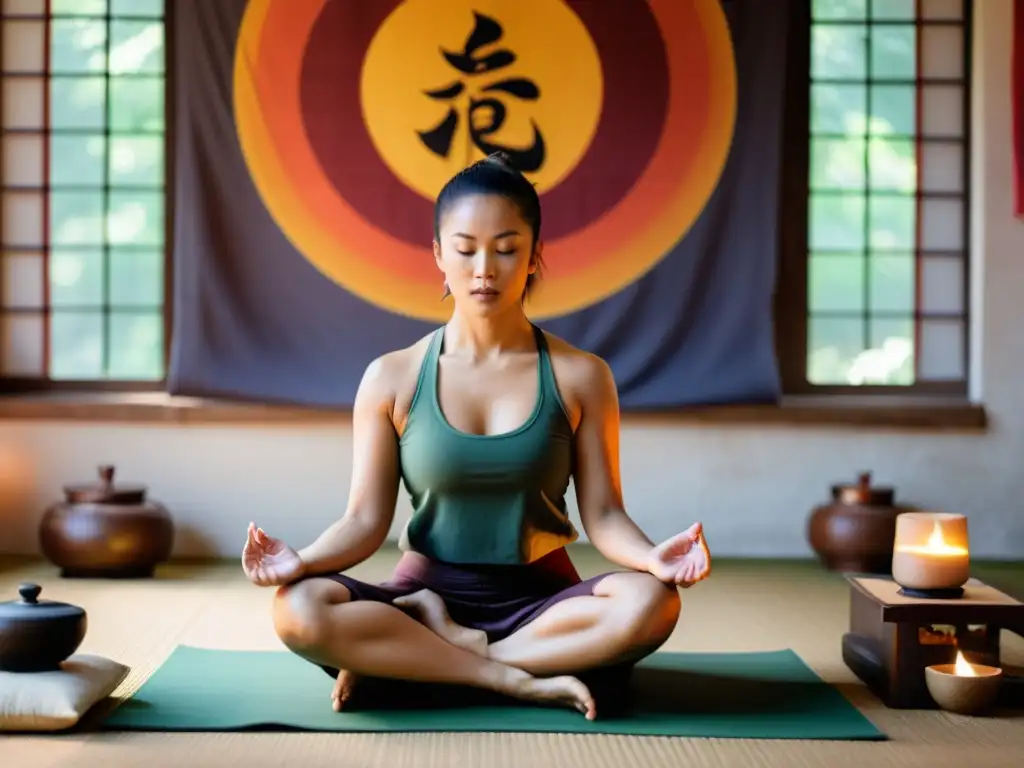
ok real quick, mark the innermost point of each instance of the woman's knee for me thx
(300, 611)
(651, 608)
(663, 606)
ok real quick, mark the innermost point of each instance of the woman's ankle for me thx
(505, 679)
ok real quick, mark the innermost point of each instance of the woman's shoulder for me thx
(577, 369)
(398, 365)
(392, 376)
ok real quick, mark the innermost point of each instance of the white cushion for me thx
(54, 701)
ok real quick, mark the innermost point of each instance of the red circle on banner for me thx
(667, 91)
(625, 141)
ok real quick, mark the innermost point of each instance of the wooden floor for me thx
(744, 606)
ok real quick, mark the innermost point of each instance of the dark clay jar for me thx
(37, 635)
(105, 531)
(855, 532)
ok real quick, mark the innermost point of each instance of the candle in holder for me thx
(963, 687)
(931, 557)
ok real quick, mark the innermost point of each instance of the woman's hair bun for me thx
(501, 159)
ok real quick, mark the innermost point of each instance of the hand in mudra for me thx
(269, 562)
(683, 559)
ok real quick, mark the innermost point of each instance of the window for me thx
(83, 192)
(872, 293)
(873, 279)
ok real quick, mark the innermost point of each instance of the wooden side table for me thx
(893, 638)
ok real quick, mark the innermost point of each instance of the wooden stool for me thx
(892, 637)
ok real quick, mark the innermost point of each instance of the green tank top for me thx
(487, 499)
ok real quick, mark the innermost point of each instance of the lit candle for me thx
(963, 668)
(931, 551)
(962, 686)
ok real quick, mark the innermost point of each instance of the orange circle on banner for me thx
(586, 262)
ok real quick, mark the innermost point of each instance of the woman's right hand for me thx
(269, 562)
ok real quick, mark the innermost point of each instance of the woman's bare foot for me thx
(434, 615)
(565, 690)
(343, 687)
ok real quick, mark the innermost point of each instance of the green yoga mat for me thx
(770, 695)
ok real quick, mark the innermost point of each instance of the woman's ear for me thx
(537, 258)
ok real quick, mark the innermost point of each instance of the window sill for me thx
(931, 414)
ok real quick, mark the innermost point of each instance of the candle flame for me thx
(963, 668)
(936, 544)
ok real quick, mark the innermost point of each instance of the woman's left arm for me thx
(597, 475)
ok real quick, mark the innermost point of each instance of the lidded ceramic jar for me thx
(106, 531)
(37, 635)
(856, 530)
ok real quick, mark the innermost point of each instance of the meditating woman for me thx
(486, 420)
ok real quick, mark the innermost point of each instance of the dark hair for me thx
(494, 175)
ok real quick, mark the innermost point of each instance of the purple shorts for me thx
(496, 599)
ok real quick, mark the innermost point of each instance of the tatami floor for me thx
(744, 606)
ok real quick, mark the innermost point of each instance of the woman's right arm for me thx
(375, 477)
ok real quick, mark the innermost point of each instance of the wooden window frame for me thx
(791, 302)
(23, 385)
(883, 407)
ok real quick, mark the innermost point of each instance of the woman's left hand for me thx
(683, 559)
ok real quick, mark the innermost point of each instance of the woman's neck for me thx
(483, 337)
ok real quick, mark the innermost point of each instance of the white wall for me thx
(753, 486)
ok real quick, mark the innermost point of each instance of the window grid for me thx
(930, 14)
(121, 278)
(933, 246)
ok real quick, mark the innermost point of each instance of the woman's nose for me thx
(483, 264)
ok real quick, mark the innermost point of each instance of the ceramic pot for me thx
(855, 532)
(104, 531)
(37, 635)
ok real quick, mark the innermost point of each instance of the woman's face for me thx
(485, 252)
